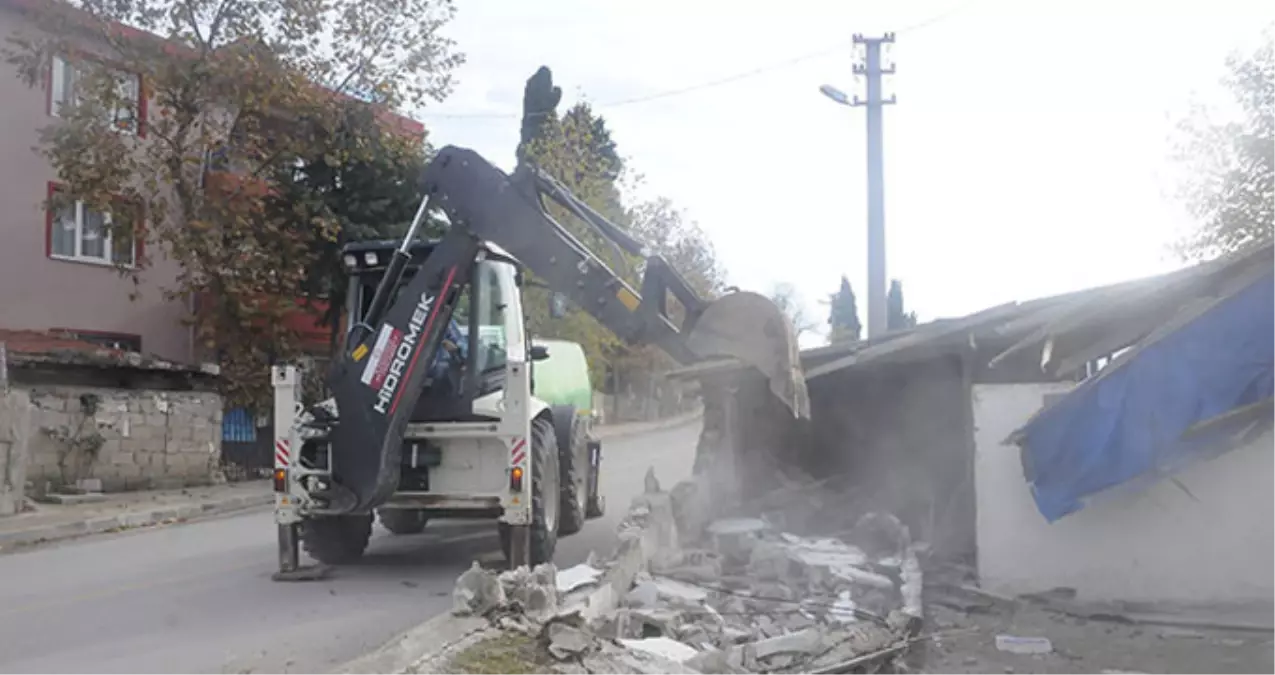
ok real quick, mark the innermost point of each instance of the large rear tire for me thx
(336, 540)
(573, 469)
(544, 496)
(402, 521)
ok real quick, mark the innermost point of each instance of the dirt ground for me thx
(1086, 646)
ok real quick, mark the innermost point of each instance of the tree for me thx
(788, 300)
(367, 183)
(563, 147)
(668, 233)
(1230, 183)
(843, 315)
(253, 86)
(577, 149)
(682, 243)
(598, 138)
(895, 317)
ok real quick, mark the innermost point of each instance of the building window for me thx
(126, 113)
(78, 232)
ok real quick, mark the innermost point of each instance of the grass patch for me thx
(503, 653)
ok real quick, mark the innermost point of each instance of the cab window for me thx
(489, 308)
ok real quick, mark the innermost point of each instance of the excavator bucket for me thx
(750, 327)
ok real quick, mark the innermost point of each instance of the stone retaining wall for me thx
(15, 427)
(127, 439)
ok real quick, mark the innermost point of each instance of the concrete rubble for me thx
(738, 595)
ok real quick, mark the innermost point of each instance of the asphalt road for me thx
(198, 597)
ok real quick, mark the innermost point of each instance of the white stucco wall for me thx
(1155, 544)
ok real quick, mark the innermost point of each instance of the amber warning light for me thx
(280, 480)
(515, 479)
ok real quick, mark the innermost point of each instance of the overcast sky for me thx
(1026, 155)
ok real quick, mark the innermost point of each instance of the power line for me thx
(673, 92)
(761, 70)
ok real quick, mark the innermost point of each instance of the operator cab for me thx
(486, 323)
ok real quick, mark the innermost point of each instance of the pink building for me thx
(58, 269)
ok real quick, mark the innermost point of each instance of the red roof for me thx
(32, 347)
(173, 48)
(44, 342)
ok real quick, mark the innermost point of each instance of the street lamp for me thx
(836, 94)
(876, 192)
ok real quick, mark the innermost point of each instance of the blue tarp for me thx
(1132, 420)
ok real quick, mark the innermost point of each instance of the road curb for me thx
(634, 428)
(649, 526)
(131, 519)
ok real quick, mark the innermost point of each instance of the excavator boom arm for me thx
(380, 377)
(507, 211)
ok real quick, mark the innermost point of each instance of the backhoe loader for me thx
(433, 410)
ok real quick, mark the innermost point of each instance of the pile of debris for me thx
(740, 595)
(752, 598)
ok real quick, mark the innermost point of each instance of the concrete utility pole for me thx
(872, 70)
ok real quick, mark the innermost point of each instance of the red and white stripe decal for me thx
(281, 452)
(518, 452)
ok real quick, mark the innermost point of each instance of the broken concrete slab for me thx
(577, 577)
(713, 661)
(823, 552)
(477, 592)
(734, 538)
(644, 594)
(807, 641)
(678, 592)
(663, 647)
(566, 641)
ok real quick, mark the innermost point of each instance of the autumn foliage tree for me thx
(232, 90)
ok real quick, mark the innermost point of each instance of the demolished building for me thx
(923, 423)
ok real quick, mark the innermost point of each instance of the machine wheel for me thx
(402, 521)
(573, 468)
(544, 495)
(336, 540)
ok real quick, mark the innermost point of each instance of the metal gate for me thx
(246, 449)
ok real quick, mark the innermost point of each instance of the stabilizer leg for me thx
(290, 568)
(596, 505)
(519, 546)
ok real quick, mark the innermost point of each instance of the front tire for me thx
(544, 496)
(402, 521)
(336, 540)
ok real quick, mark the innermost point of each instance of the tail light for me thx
(280, 480)
(515, 479)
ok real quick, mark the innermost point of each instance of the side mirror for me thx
(539, 352)
(558, 305)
